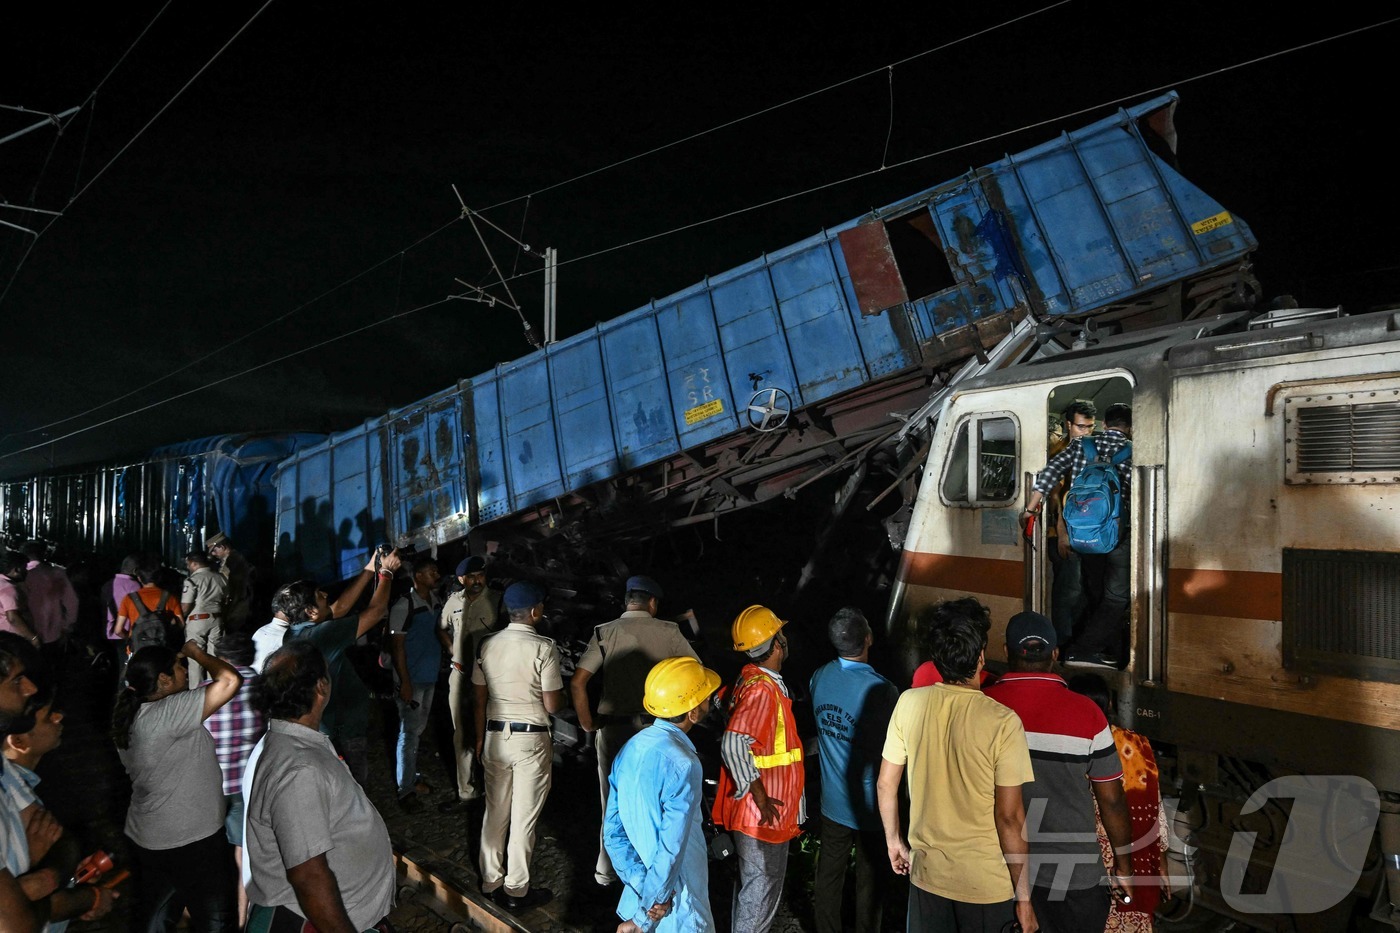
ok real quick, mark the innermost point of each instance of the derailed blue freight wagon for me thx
(754, 382)
(166, 503)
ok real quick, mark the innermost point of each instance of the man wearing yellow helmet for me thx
(760, 793)
(652, 828)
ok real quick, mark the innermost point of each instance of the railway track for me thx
(433, 898)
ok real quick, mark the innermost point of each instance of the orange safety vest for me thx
(762, 711)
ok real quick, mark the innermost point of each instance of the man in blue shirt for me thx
(417, 654)
(852, 705)
(652, 827)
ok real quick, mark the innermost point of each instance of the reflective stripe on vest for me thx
(781, 756)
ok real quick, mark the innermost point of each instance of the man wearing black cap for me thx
(1069, 742)
(516, 684)
(467, 616)
(624, 651)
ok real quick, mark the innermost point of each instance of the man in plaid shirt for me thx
(236, 728)
(1102, 641)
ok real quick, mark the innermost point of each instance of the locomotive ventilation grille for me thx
(1341, 613)
(1349, 437)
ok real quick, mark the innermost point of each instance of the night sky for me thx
(286, 188)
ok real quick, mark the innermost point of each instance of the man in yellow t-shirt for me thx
(967, 759)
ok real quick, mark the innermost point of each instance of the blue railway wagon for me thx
(167, 503)
(1092, 223)
(330, 505)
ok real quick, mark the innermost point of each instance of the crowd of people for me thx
(993, 801)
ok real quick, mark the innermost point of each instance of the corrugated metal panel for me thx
(644, 426)
(493, 489)
(331, 505)
(816, 322)
(702, 404)
(581, 405)
(527, 426)
(755, 348)
(1096, 216)
(886, 339)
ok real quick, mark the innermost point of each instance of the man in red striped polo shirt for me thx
(1075, 764)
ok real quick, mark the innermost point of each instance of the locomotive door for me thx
(1065, 585)
(965, 536)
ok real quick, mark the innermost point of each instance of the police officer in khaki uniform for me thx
(624, 651)
(239, 575)
(467, 617)
(516, 685)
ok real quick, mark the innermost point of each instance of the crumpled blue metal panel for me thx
(227, 482)
(879, 334)
(426, 471)
(1098, 216)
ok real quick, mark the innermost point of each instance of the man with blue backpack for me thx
(1095, 514)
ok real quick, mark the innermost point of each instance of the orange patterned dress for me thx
(1149, 834)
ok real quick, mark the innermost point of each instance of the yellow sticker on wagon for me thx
(701, 412)
(1212, 223)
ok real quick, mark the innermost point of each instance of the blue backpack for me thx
(1094, 502)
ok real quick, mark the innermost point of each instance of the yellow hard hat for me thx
(754, 626)
(676, 686)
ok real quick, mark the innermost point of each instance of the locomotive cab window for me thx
(981, 466)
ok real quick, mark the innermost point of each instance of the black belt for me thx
(496, 725)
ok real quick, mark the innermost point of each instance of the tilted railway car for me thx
(794, 366)
(1265, 614)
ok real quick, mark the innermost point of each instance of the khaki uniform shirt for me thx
(467, 623)
(517, 665)
(625, 650)
(206, 588)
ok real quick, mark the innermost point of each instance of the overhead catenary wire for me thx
(479, 214)
(24, 257)
(779, 106)
(209, 384)
(398, 254)
(715, 218)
